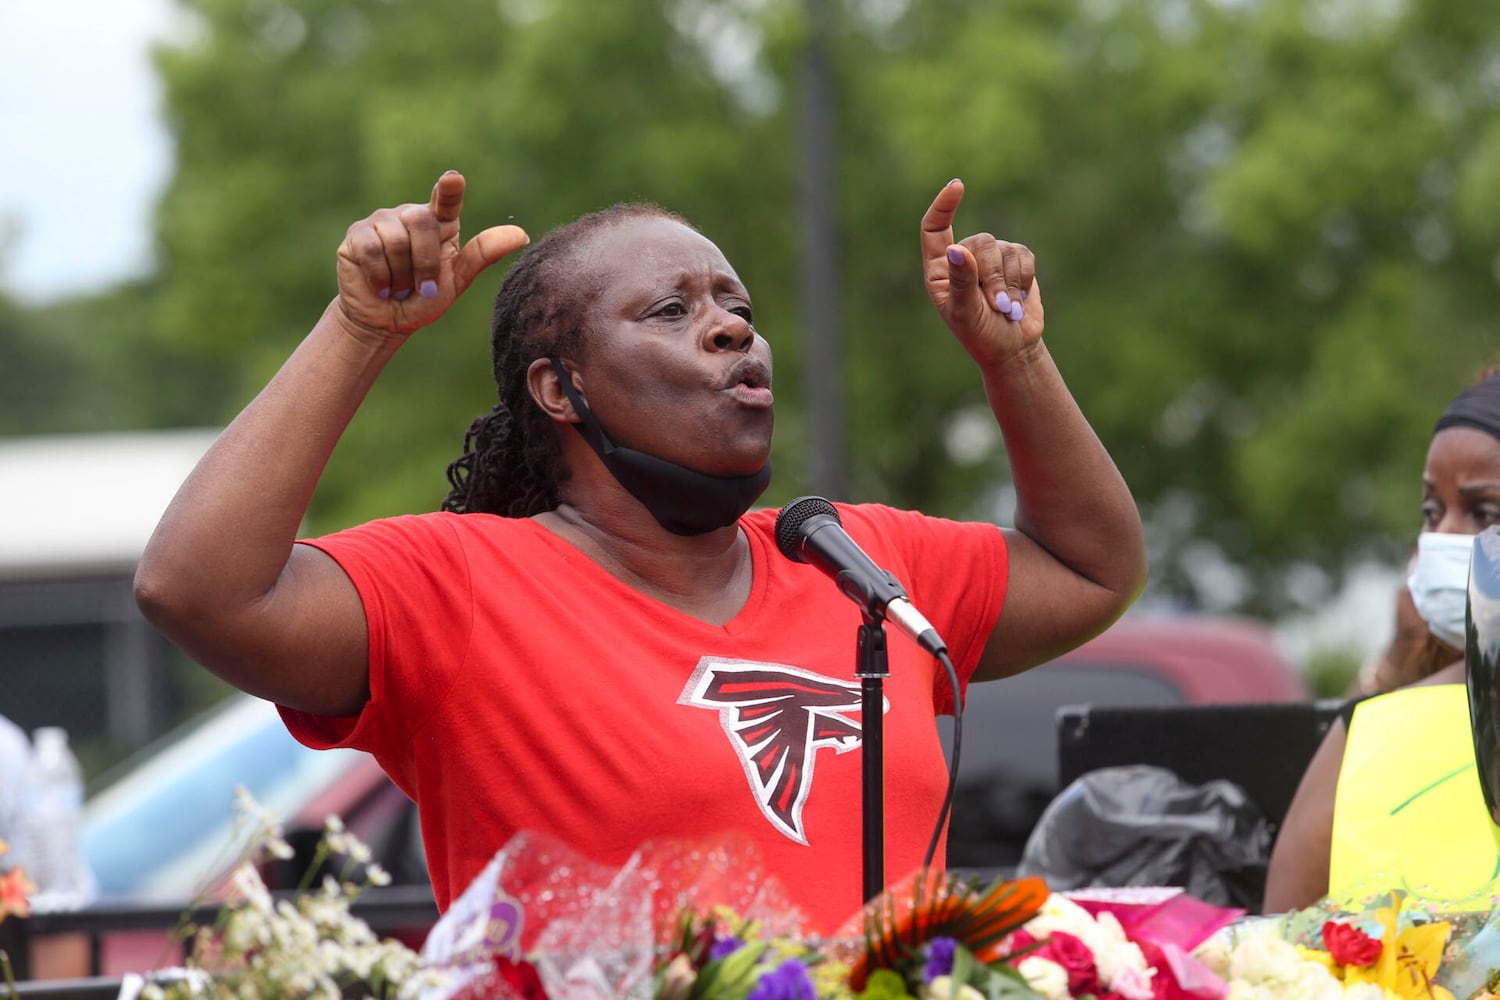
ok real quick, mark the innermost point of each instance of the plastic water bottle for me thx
(48, 843)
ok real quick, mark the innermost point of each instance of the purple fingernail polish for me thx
(429, 289)
(403, 295)
(1016, 312)
(384, 293)
(1023, 295)
(1002, 302)
(955, 256)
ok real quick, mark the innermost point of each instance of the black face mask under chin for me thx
(683, 501)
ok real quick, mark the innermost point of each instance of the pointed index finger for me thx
(447, 200)
(937, 223)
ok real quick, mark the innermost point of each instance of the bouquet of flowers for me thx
(698, 921)
(1156, 945)
(638, 932)
(939, 937)
(1388, 949)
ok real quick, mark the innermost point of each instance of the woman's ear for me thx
(542, 381)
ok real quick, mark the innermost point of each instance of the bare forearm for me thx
(222, 576)
(227, 535)
(1071, 499)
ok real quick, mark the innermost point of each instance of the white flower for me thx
(1214, 954)
(303, 947)
(248, 888)
(1261, 966)
(1132, 983)
(1114, 953)
(1059, 913)
(1260, 955)
(1045, 976)
(941, 988)
(265, 828)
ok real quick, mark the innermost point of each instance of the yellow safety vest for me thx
(1410, 813)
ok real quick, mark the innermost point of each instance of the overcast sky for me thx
(82, 152)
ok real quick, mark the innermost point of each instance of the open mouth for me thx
(750, 373)
(749, 382)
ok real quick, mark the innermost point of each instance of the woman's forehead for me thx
(650, 247)
(1464, 452)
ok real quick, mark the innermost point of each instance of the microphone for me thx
(808, 530)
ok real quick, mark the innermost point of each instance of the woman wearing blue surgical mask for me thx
(1391, 799)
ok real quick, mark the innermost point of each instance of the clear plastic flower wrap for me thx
(591, 930)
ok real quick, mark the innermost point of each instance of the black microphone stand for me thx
(872, 667)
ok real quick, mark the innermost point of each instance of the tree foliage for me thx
(1266, 230)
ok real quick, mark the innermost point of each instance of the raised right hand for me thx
(401, 268)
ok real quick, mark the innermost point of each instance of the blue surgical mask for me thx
(1439, 583)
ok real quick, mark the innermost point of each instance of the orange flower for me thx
(15, 892)
(936, 904)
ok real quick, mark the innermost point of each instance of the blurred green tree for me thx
(1266, 231)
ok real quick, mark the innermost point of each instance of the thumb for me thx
(965, 296)
(963, 274)
(484, 249)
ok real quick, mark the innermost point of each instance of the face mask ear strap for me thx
(588, 425)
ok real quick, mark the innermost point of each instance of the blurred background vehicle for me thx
(163, 827)
(1008, 766)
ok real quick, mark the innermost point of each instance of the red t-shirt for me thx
(515, 685)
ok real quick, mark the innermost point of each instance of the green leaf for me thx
(964, 966)
(732, 976)
(884, 984)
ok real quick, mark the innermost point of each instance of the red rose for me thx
(1349, 945)
(1077, 961)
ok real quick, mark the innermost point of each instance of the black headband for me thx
(1478, 406)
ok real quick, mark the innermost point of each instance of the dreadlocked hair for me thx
(512, 462)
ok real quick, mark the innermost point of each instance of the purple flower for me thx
(939, 958)
(789, 981)
(725, 946)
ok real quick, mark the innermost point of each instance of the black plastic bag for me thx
(1138, 825)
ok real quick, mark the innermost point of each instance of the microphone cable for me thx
(958, 739)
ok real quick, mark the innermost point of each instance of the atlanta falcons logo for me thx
(776, 718)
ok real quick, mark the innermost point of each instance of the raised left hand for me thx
(984, 288)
